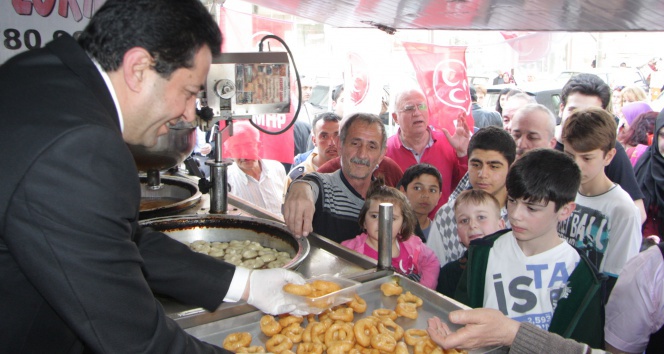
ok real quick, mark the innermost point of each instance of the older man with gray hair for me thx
(329, 203)
(533, 126)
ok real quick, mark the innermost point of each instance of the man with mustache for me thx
(325, 138)
(329, 203)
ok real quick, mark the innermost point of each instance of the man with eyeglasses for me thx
(417, 142)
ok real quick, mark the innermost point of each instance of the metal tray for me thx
(435, 304)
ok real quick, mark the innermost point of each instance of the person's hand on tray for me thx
(265, 290)
(299, 208)
(482, 327)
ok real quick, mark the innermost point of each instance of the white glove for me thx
(266, 290)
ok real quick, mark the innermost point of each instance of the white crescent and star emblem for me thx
(451, 85)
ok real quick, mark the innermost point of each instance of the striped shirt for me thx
(338, 206)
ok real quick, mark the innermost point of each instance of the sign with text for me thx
(30, 24)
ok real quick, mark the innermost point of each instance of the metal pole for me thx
(219, 177)
(385, 236)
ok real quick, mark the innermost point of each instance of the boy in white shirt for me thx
(529, 273)
(606, 225)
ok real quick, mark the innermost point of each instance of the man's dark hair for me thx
(544, 175)
(494, 139)
(336, 92)
(473, 94)
(326, 117)
(172, 31)
(589, 85)
(367, 118)
(416, 171)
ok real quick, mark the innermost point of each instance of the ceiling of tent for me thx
(514, 15)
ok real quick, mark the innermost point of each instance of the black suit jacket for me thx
(76, 270)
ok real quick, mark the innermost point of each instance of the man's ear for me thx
(566, 210)
(402, 189)
(135, 64)
(394, 118)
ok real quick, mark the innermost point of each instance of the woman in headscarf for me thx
(638, 137)
(650, 176)
(629, 113)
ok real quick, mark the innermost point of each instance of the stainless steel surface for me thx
(385, 236)
(513, 15)
(173, 195)
(219, 175)
(225, 228)
(434, 304)
(170, 150)
(325, 257)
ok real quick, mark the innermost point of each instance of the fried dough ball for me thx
(364, 329)
(407, 309)
(269, 326)
(391, 289)
(298, 289)
(383, 342)
(409, 297)
(414, 335)
(401, 348)
(293, 332)
(358, 304)
(380, 313)
(427, 346)
(342, 314)
(339, 347)
(234, 341)
(340, 332)
(310, 348)
(278, 343)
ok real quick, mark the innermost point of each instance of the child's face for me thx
(590, 163)
(531, 221)
(371, 221)
(423, 193)
(476, 221)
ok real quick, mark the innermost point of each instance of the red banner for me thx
(531, 46)
(242, 33)
(441, 73)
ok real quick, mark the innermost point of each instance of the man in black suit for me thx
(77, 272)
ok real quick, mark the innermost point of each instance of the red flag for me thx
(242, 33)
(441, 73)
(531, 46)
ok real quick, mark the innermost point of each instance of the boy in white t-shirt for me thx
(529, 273)
(605, 225)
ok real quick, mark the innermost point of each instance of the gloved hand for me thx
(266, 290)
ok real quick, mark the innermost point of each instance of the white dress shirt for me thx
(266, 192)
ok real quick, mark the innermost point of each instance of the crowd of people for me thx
(537, 226)
(550, 214)
(540, 221)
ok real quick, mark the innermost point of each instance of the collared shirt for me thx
(266, 192)
(111, 89)
(417, 155)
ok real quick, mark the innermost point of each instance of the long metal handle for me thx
(385, 236)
